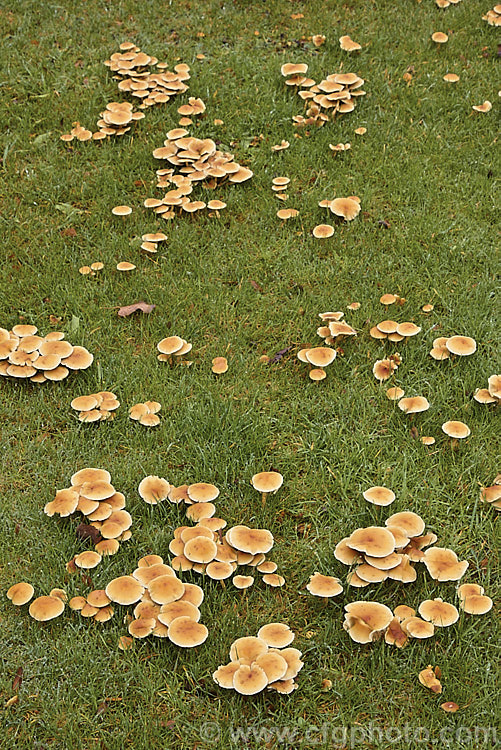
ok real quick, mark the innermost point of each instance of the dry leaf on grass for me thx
(129, 309)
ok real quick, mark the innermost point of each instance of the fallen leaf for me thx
(129, 309)
(69, 232)
(414, 433)
(101, 708)
(12, 701)
(18, 679)
(86, 531)
(278, 356)
(255, 285)
(384, 223)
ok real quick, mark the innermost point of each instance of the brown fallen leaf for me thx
(86, 531)
(255, 285)
(129, 309)
(12, 701)
(18, 679)
(69, 232)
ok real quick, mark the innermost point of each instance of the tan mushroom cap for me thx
(267, 481)
(249, 680)
(202, 512)
(90, 475)
(98, 598)
(394, 634)
(193, 594)
(379, 495)
(320, 356)
(254, 541)
(477, 604)
(388, 299)
(289, 69)
(20, 593)
(79, 359)
(273, 664)
(202, 492)
(395, 393)
(46, 608)
(403, 611)
(180, 608)
(372, 540)
(276, 635)
(440, 613)
(194, 532)
(247, 648)
(408, 329)
(494, 386)
(200, 550)
(486, 106)
(373, 614)
(187, 633)
(84, 403)
(149, 420)
(323, 231)
(417, 628)
(124, 265)
(461, 345)
(96, 490)
(439, 37)
(107, 547)
(469, 589)
(387, 326)
(76, 603)
(153, 489)
(218, 571)
(324, 586)
(274, 580)
(413, 404)
(348, 45)
(384, 563)
(317, 374)
(345, 554)
(345, 207)
(428, 440)
(64, 504)
(456, 430)
(145, 575)
(121, 210)
(87, 560)
(165, 589)
(242, 582)
(223, 676)
(170, 345)
(410, 523)
(124, 590)
(482, 396)
(371, 574)
(443, 565)
(142, 627)
(219, 365)
(451, 78)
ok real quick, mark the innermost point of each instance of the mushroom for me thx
(323, 231)
(153, 489)
(276, 635)
(440, 613)
(249, 680)
(124, 590)
(443, 565)
(46, 608)
(20, 593)
(413, 405)
(439, 37)
(462, 346)
(120, 210)
(265, 482)
(187, 633)
(348, 45)
(375, 541)
(456, 430)
(324, 586)
(345, 207)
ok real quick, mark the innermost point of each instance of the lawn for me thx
(243, 285)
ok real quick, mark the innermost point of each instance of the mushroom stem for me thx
(223, 584)
(263, 498)
(454, 444)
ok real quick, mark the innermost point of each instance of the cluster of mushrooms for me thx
(493, 17)
(393, 331)
(172, 349)
(378, 553)
(491, 394)
(203, 548)
(96, 407)
(24, 354)
(336, 94)
(263, 661)
(333, 330)
(461, 346)
(193, 160)
(492, 494)
(92, 494)
(146, 413)
(345, 208)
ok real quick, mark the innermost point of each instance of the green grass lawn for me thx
(245, 285)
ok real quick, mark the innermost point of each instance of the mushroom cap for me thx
(219, 365)
(408, 329)
(187, 633)
(403, 611)
(324, 586)
(96, 489)
(413, 404)
(65, 503)
(124, 590)
(451, 78)
(373, 614)
(345, 207)
(482, 396)
(456, 430)
(442, 564)
(323, 231)
(98, 598)
(276, 635)
(394, 635)
(403, 572)
(317, 374)
(201, 549)
(218, 571)
(379, 495)
(193, 594)
(84, 403)
(274, 580)
(395, 393)
(170, 345)
(469, 589)
(153, 489)
(90, 475)
(408, 522)
(165, 589)
(20, 593)
(223, 676)
(484, 107)
(267, 481)
(179, 608)
(46, 608)
(242, 582)
(202, 492)
(320, 356)
(247, 648)
(439, 37)
(477, 604)
(461, 345)
(87, 560)
(289, 69)
(372, 540)
(254, 541)
(383, 563)
(387, 326)
(417, 628)
(249, 680)
(121, 210)
(124, 265)
(371, 574)
(440, 613)
(273, 664)
(494, 386)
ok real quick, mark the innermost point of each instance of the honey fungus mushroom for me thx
(324, 586)
(267, 481)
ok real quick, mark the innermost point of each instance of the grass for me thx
(427, 167)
